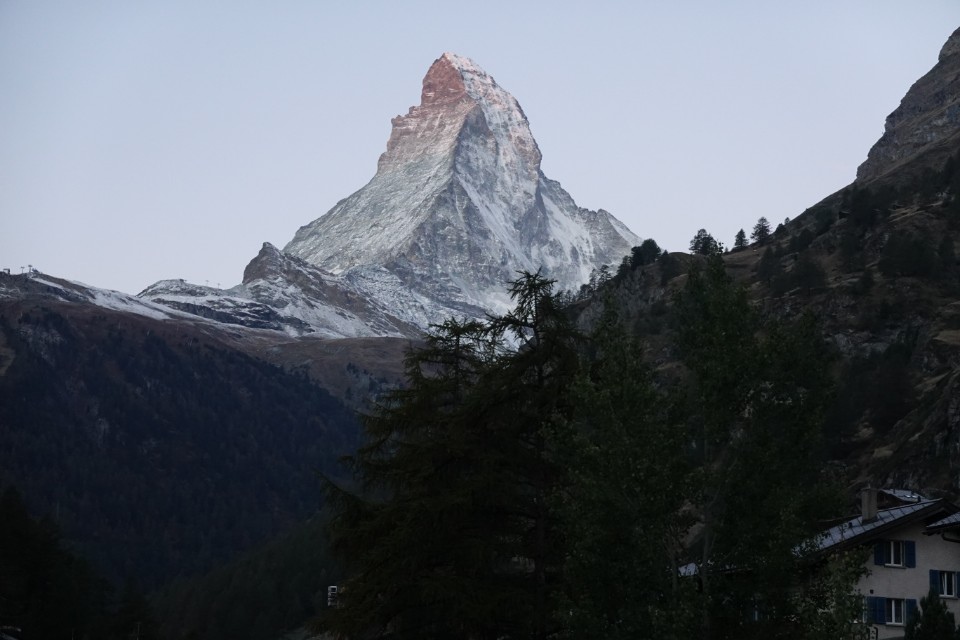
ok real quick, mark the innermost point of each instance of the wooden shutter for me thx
(910, 553)
(876, 611)
(879, 553)
(935, 581)
(909, 610)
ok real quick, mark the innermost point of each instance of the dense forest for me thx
(47, 591)
(234, 446)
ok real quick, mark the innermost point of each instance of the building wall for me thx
(932, 552)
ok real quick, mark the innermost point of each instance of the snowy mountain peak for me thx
(457, 207)
(502, 112)
(459, 204)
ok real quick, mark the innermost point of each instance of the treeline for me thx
(532, 482)
(47, 591)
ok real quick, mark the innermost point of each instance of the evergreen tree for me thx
(45, 591)
(807, 274)
(451, 533)
(769, 267)
(754, 402)
(623, 539)
(647, 253)
(705, 244)
(528, 394)
(933, 621)
(420, 539)
(670, 267)
(740, 241)
(761, 231)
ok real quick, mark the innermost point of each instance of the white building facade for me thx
(914, 547)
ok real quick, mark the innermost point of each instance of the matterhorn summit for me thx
(458, 205)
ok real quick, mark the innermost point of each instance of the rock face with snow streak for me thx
(458, 205)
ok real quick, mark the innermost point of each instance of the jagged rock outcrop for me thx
(283, 293)
(457, 206)
(925, 129)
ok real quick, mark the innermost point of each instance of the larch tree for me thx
(450, 531)
(705, 244)
(419, 533)
(761, 231)
(740, 240)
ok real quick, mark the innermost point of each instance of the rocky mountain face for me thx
(282, 293)
(458, 205)
(926, 124)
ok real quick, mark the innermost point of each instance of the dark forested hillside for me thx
(157, 449)
(262, 594)
(877, 265)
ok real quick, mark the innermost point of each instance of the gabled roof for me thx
(949, 522)
(855, 531)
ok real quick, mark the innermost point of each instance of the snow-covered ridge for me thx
(45, 286)
(285, 294)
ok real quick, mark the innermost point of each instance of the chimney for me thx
(868, 505)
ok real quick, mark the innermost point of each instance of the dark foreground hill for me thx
(156, 447)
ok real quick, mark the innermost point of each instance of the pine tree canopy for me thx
(530, 482)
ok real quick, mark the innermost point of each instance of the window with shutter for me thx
(895, 553)
(895, 610)
(946, 584)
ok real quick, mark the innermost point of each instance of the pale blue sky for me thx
(169, 139)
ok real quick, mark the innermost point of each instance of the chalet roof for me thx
(856, 531)
(949, 522)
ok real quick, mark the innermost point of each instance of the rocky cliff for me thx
(925, 128)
